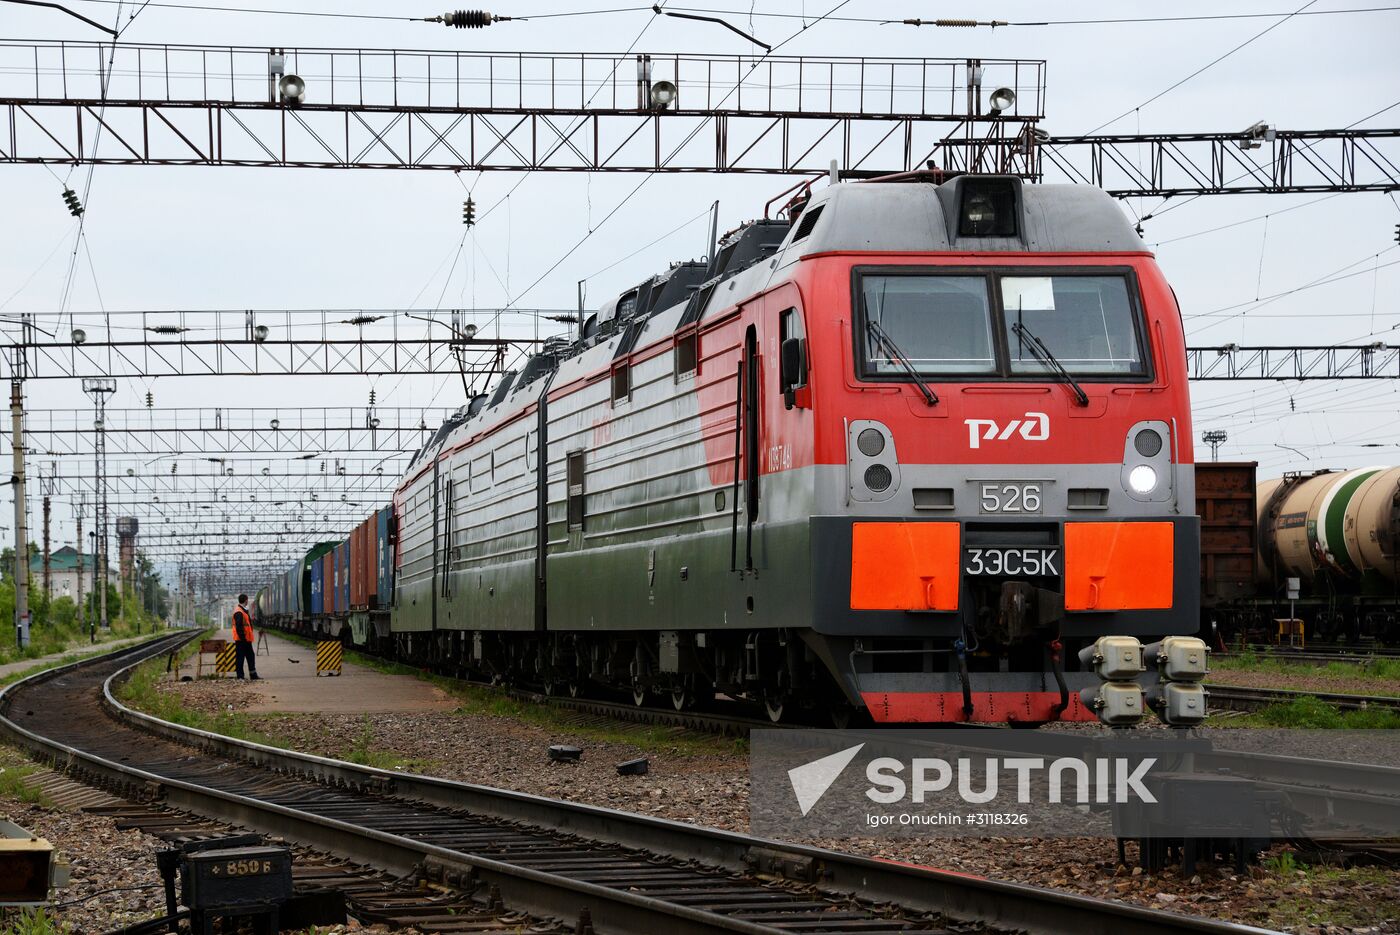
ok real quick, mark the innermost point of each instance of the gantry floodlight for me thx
(1257, 135)
(663, 95)
(260, 333)
(1002, 99)
(469, 332)
(291, 89)
(79, 335)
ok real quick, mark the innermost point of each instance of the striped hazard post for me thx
(328, 657)
(223, 662)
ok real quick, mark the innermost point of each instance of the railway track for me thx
(615, 871)
(1318, 657)
(1238, 698)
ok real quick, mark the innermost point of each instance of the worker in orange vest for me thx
(243, 640)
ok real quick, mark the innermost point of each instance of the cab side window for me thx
(792, 345)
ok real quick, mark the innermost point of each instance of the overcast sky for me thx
(258, 238)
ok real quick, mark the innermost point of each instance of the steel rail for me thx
(1317, 655)
(956, 895)
(1240, 698)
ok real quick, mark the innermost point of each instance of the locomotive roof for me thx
(916, 217)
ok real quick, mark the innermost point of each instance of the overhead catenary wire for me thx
(81, 240)
(1206, 67)
(758, 14)
(1240, 223)
(1326, 279)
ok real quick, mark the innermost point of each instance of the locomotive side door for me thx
(438, 550)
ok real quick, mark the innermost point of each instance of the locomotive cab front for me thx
(1000, 389)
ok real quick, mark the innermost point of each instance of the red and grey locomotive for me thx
(908, 452)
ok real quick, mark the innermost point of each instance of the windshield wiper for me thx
(887, 342)
(1039, 349)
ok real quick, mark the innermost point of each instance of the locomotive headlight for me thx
(870, 442)
(1148, 443)
(1143, 479)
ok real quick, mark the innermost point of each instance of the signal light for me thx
(1181, 663)
(1118, 661)
(469, 212)
(70, 198)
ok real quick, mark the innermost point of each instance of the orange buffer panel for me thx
(1118, 566)
(904, 566)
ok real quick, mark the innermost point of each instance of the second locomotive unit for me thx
(908, 452)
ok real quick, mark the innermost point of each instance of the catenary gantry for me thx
(419, 109)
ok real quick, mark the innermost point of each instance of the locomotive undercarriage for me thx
(772, 668)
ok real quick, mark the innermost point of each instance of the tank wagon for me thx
(907, 452)
(1337, 533)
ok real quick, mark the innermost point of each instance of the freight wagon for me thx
(1335, 533)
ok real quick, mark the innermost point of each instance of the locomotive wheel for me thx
(639, 695)
(550, 688)
(682, 698)
(774, 707)
(574, 690)
(840, 715)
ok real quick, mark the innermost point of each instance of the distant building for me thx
(63, 572)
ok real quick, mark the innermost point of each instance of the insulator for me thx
(467, 19)
(70, 198)
(150, 399)
(956, 23)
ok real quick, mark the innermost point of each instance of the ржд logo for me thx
(1035, 427)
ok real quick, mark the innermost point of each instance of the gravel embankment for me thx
(102, 858)
(706, 783)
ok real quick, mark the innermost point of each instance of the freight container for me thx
(384, 553)
(318, 605)
(367, 569)
(328, 582)
(342, 597)
(359, 580)
(1225, 504)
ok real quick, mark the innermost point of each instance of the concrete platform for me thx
(289, 684)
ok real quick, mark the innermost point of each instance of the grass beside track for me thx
(1315, 714)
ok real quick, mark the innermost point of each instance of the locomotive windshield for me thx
(966, 323)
